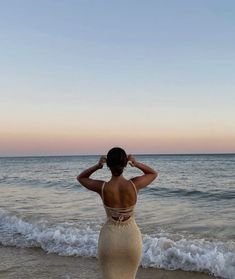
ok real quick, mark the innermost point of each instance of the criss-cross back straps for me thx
(102, 189)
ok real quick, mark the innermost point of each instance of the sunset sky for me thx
(81, 76)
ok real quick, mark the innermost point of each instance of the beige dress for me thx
(120, 243)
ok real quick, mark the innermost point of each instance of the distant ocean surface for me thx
(186, 216)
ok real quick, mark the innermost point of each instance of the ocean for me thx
(186, 216)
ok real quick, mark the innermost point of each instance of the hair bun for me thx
(116, 160)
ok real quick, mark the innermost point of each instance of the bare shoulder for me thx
(92, 184)
(143, 180)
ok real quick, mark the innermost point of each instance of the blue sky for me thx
(173, 60)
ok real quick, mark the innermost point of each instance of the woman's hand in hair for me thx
(131, 160)
(102, 161)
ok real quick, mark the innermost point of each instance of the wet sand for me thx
(34, 263)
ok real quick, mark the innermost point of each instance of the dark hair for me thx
(116, 160)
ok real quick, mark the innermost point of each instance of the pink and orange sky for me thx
(80, 77)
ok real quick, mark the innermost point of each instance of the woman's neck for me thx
(117, 178)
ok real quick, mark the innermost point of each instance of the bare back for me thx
(119, 193)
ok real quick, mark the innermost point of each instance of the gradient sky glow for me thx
(78, 77)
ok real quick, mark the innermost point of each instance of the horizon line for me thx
(135, 154)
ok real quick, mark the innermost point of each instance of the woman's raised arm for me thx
(92, 184)
(145, 179)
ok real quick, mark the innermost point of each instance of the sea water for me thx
(186, 216)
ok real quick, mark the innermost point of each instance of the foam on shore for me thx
(35, 263)
(159, 251)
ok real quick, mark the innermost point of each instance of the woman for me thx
(120, 242)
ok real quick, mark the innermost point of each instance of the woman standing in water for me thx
(120, 242)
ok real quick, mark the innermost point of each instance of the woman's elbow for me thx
(79, 179)
(155, 175)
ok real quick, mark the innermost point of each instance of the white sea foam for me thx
(191, 255)
(160, 251)
(62, 239)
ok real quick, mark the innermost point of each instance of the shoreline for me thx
(35, 263)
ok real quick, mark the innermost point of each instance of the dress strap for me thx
(102, 191)
(133, 184)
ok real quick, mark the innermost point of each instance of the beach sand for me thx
(35, 263)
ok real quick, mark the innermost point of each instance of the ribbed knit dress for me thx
(120, 243)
